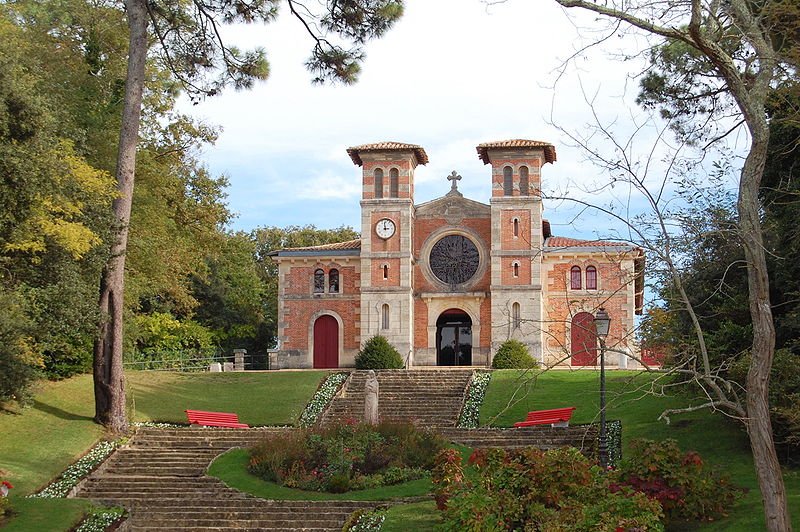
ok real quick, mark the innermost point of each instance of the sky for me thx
(448, 76)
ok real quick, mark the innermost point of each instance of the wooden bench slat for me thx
(214, 419)
(553, 417)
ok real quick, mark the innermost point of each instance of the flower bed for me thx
(365, 521)
(73, 474)
(470, 414)
(346, 457)
(99, 520)
(321, 398)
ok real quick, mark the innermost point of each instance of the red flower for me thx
(7, 484)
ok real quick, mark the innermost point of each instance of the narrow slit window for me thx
(508, 181)
(516, 227)
(575, 278)
(378, 183)
(319, 281)
(394, 183)
(591, 278)
(333, 281)
(515, 315)
(516, 269)
(385, 272)
(385, 316)
(524, 182)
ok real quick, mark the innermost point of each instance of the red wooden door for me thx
(326, 342)
(583, 336)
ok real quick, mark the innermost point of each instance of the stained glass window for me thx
(333, 281)
(319, 281)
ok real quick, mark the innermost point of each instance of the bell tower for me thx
(517, 239)
(387, 217)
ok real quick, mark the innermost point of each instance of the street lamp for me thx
(602, 322)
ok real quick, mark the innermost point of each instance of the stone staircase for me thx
(159, 476)
(430, 398)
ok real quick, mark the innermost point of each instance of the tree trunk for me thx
(759, 427)
(109, 384)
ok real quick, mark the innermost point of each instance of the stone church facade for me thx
(447, 281)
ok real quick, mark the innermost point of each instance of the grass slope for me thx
(38, 442)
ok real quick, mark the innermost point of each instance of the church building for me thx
(449, 280)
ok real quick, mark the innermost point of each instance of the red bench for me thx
(214, 419)
(557, 417)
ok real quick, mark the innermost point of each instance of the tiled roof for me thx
(564, 242)
(350, 244)
(549, 149)
(419, 151)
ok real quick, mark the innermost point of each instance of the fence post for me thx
(238, 359)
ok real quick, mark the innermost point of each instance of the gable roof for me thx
(549, 149)
(419, 151)
(349, 247)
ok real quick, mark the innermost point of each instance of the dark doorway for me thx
(583, 336)
(326, 342)
(454, 339)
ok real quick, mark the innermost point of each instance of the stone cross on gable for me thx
(454, 178)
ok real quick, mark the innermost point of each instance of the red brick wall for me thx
(534, 178)
(563, 302)
(523, 241)
(301, 304)
(377, 272)
(524, 276)
(404, 177)
(379, 244)
(424, 227)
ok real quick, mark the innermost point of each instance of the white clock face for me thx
(385, 228)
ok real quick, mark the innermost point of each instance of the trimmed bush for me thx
(513, 354)
(686, 488)
(378, 353)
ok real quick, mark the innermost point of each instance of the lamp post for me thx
(602, 322)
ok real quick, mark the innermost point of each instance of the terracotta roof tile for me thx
(549, 149)
(419, 151)
(564, 242)
(350, 244)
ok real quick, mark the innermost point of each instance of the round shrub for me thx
(513, 354)
(378, 353)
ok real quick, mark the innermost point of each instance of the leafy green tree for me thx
(231, 296)
(192, 47)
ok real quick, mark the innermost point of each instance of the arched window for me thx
(515, 316)
(394, 183)
(591, 278)
(508, 181)
(319, 281)
(524, 185)
(516, 227)
(575, 278)
(515, 267)
(384, 316)
(333, 281)
(385, 271)
(378, 183)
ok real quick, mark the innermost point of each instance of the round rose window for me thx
(454, 259)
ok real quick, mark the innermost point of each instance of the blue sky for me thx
(450, 75)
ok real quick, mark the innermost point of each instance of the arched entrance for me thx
(326, 342)
(583, 336)
(454, 338)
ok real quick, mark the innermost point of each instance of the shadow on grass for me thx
(58, 412)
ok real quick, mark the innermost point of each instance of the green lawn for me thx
(38, 442)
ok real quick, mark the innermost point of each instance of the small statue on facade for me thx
(371, 399)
